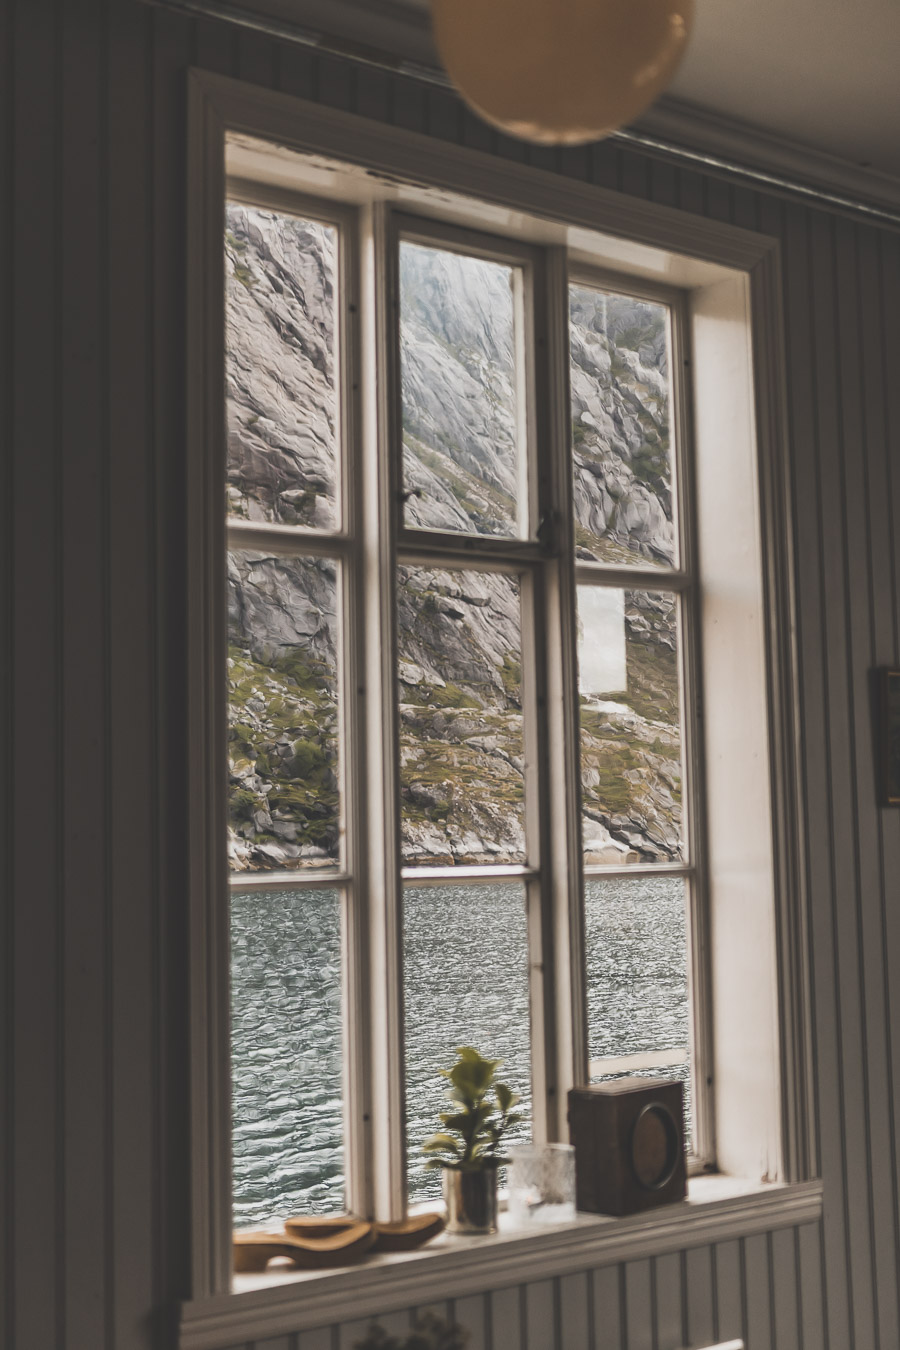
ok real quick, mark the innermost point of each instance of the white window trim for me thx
(646, 240)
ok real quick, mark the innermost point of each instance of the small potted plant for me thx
(468, 1146)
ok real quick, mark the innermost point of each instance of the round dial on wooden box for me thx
(655, 1146)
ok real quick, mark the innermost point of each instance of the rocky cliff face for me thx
(462, 751)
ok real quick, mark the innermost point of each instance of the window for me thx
(352, 864)
(536, 622)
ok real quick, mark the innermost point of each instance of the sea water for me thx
(467, 982)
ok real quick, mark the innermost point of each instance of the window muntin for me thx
(536, 555)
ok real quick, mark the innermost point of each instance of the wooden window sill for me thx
(283, 1300)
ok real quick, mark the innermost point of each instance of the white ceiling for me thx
(824, 73)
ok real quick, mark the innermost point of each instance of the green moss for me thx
(244, 275)
(511, 675)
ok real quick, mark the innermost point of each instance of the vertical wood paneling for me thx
(664, 183)
(607, 1303)
(638, 1309)
(634, 174)
(785, 1307)
(832, 393)
(604, 164)
(869, 1104)
(862, 824)
(324, 1338)
(757, 1277)
(669, 1331)
(443, 115)
(729, 1290)
(395, 1324)
(257, 63)
(215, 46)
(471, 1314)
(93, 1126)
(334, 82)
(296, 70)
(85, 987)
(717, 199)
(690, 191)
(889, 286)
(372, 94)
(129, 478)
(804, 418)
(36, 1211)
(809, 1272)
(505, 1318)
(172, 44)
(698, 1283)
(7, 1136)
(878, 858)
(575, 1312)
(476, 133)
(540, 1316)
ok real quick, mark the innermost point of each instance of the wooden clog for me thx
(405, 1235)
(339, 1247)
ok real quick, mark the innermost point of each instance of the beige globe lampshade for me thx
(561, 72)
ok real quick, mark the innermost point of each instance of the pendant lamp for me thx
(561, 72)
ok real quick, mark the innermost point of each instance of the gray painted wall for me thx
(93, 1211)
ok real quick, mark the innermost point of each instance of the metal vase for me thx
(471, 1200)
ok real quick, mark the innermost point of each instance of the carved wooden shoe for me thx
(405, 1235)
(339, 1247)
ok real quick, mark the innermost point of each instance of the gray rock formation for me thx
(462, 752)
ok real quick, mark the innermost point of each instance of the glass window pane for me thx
(637, 979)
(630, 726)
(286, 1054)
(280, 367)
(621, 428)
(461, 439)
(461, 727)
(466, 971)
(284, 807)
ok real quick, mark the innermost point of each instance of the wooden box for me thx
(629, 1145)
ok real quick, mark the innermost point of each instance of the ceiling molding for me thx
(681, 124)
(396, 35)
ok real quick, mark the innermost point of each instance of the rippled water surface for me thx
(466, 983)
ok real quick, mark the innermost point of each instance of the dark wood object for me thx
(629, 1145)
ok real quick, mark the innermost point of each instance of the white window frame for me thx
(709, 265)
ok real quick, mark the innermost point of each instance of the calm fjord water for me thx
(466, 983)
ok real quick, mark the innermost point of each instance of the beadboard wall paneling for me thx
(93, 1116)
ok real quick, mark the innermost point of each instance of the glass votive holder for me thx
(541, 1183)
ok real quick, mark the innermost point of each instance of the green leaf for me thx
(438, 1141)
(457, 1121)
(505, 1097)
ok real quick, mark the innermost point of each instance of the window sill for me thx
(718, 1208)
